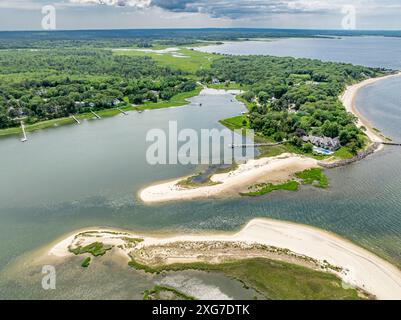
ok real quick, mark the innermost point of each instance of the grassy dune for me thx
(273, 279)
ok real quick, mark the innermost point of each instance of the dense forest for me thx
(287, 97)
(291, 97)
(47, 84)
(146, 37)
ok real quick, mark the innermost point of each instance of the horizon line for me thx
(211, 28)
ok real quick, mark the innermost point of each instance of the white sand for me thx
(362, 268)
(348, 99)
(211, 91)
(245, 175)
(255, 169)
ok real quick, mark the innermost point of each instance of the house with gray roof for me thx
(331, 144)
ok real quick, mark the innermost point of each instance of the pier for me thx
(122, 111)
(255, 145)
(76, 120)
(391, 144)
(96, 115)
(24, 138)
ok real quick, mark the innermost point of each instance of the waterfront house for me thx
(331, 144)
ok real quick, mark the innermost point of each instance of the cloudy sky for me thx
(104, 14)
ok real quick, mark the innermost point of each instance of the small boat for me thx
(24, 140)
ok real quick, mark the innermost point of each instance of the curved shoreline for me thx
(360, 267)
(233, 181)
(279, 169)
(348, 99)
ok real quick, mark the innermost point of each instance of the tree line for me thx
(289, 97)
(47, 84)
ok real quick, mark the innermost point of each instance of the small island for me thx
(279, 252)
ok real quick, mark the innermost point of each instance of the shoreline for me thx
(104, 113)
(234, 180)
(359, 267)
(348, 99)
(279, 169)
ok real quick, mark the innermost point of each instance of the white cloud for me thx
(247, 8)
(319, 14)
(119, 3)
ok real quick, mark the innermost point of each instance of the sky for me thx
(139, 14)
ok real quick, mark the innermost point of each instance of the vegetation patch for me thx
(44, 92)
(165, 293)
(132, 242)
(289, 98)
(203, 179)
(96, 249)
(86, 262)
(235, 123)
(265, 188)
(313, 176)
(183, 59)
(273, 279)
(180, 99)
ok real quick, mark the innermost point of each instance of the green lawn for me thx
(180, 99)
(343, 153)
(235, 123)
(192, 62)
(273, 279)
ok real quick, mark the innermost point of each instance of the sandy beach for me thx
(274, 170)
(359, 267)
(349, 101)
(266, 170)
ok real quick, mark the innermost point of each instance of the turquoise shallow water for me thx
(82, 176)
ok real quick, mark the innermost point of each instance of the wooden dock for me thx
(24, 138)
(255, 145)
(96, 115)
(391, 144)
(76, 120)
(122, 111)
